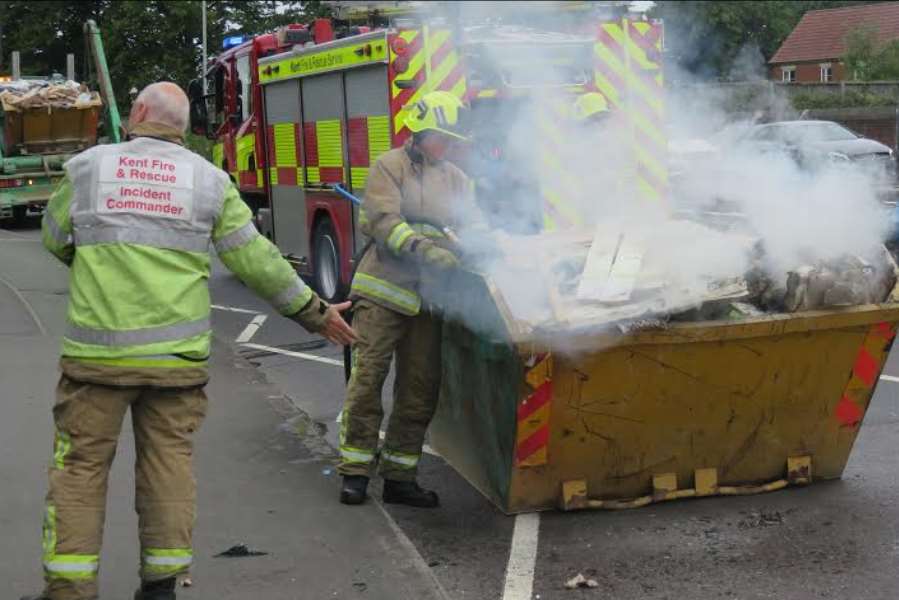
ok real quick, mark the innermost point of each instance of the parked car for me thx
(816, 143)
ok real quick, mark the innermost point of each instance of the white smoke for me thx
(799, 215)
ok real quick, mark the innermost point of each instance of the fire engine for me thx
(300, 115)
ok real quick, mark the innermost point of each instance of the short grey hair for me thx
(166, 103)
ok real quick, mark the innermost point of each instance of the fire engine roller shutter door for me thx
(368, 127)
(282, 111)
(323, 129)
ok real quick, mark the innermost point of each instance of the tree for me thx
(705, 37)
(869, 60)
(145, 41)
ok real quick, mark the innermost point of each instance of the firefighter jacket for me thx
(135, 222)
(408, 200)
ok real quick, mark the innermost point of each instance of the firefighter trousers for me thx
(88, 419)
(415, 341)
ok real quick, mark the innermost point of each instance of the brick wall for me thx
(810, 72)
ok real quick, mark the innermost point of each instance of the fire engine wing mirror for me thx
(406, 84)
(199, 119)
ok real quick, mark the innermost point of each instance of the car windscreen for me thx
(816, 132)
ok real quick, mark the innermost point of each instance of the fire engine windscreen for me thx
(565, 202)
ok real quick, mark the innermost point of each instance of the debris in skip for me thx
(21, 95)
(633, 277)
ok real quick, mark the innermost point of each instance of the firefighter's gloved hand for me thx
(440, 258)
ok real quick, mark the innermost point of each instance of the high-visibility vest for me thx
(141, 216)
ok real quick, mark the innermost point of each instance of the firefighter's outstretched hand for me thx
(441, 258)
(336, 330)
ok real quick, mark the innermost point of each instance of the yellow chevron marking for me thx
(437, 77)
(607, 89)
(650, 96)
(648, 128)
(651, 163)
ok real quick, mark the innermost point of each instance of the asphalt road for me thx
(264, 478)
(831, 540)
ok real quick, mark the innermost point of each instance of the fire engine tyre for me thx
(326, 257)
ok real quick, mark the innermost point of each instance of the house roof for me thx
(821, 34)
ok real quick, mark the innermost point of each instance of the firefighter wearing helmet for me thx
(411, 194)
(591, 106)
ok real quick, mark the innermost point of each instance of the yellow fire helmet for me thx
(590, 105)
(436, 111)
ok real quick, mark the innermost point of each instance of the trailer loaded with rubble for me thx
(45, 121)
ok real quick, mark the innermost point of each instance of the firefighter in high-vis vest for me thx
(411, 195)
(134, 222)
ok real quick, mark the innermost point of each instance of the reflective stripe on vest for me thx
(237, 238)
(427, 230)
(56, 233)
(137, 337)
(408, 302)
(398, 236)
(188, 241)
(297, 289)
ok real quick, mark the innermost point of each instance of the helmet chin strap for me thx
(415, 152)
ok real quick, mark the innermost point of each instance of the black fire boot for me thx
(156, 590)
(409, 493)
(354, 488)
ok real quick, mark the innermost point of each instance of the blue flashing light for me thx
(232, 41)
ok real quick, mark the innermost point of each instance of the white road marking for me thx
(890, 378)
(237, 310)
(30, 309)
(250, 330)
(417, 560)
(310, 357)
(522, 557)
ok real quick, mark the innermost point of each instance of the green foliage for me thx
(199, 144)
(705, 37)
(868, 60)
(851, 99)
(146, 40)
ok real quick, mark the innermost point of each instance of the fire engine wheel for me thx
(326, 255)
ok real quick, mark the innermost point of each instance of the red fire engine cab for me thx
(234, 113)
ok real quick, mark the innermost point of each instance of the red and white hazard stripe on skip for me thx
(865, 373)
(533, 413)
